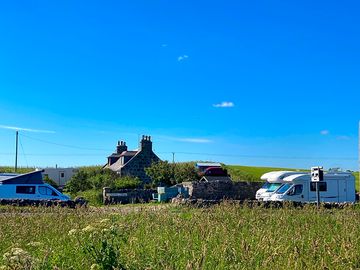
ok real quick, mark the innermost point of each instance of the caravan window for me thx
(273, 187)
(322, 186)
(296, 190)
(47, 191)
(25, 189)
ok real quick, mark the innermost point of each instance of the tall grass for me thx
(221, 237)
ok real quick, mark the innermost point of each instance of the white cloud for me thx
(224, 104)
(183, 57)
(188, 140)
(194, 140)
(343, 138)
(324, 132)
(26, 129)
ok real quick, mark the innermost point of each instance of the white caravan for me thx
(29, 186)
(337, 187)
(273, 181)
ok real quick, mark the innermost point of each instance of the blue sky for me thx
(267, 83)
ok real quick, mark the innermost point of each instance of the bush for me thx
(166, 173)
(88, 178)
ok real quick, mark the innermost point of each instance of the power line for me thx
(22, 148)
(66, 145)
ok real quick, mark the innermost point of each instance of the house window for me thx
(322, 186)
(62, 174)
(25, 189)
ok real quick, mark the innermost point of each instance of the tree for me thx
(161, 172)
(166, 173)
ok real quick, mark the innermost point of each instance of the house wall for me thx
(56, 174)
(136, 166)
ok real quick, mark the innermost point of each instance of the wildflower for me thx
(88, 229)
(95, 267)
(34, 244)
(18, 258)
(104, 221)
(73, 232)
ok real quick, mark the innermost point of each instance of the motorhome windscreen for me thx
(283, 188)
(273, 187)
(266, 185)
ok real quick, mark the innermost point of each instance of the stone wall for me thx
(124, 196)
(218, 190)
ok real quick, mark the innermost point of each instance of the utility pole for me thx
(16, 150)
(173, 154)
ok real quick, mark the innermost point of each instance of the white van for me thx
(273, 180)
(336, 187)
(28, 186)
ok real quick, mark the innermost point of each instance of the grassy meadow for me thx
(170, 237)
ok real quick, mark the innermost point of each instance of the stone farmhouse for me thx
(133, 163)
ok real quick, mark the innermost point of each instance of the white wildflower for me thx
(73, 232)
(105, 221)
(88, 229)
(34, 244)
(95, 267)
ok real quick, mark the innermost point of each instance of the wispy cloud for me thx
(27, 129)
(325, 132)
(187, 140)
(164, 45)
(224, 104)
(194, 140)
(343, 138)
(183, 57)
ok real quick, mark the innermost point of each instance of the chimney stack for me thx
(145, 143)
(121, 147)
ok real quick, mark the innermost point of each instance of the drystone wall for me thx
(125, 196)
(218, 190)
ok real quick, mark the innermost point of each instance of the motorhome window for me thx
(322, 186)
(266, 185)
(295, 190)
(283, 188)
(25, 189)
(273, 187)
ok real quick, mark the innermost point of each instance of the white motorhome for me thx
(29, 186)
(273, 180)
(336, 187)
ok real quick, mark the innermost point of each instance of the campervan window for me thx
(266, 185)
(47, 191)
(322, 186)
(25, 189)
(296, 190)
(283, 188)
(273, 187)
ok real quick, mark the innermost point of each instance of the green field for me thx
(221, 237)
